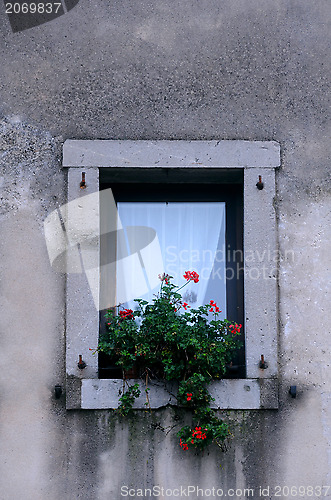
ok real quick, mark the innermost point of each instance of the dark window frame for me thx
(202, 186)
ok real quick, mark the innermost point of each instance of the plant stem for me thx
(147, 397)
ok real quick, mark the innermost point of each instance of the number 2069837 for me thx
(33, 8)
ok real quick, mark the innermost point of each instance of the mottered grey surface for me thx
(211, 70)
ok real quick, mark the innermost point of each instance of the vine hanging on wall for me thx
(169, 340)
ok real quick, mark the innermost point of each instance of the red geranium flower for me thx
(164, 277)
(235, 328)
(214, 307)
(191, 275)
(183, 445)
(126, 313)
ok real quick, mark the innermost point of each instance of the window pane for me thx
(191, 236)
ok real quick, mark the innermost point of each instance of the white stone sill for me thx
(229, 394)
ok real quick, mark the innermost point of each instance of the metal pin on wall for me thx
(81, 363)
(82, 184)
(263, 364)
(260, 184)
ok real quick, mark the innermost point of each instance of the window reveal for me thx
(204, 235)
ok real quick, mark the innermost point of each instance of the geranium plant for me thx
(167, 339)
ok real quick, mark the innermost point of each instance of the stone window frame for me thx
(259, 390)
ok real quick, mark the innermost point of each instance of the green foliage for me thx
(166, 339)
(127, 400)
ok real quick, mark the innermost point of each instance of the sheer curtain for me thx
(191, 236)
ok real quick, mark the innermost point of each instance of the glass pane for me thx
(191, 236)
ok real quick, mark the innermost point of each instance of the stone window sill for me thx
(239, 394)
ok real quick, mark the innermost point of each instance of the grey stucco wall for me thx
(222, 69)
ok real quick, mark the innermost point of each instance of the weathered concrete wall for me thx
(148, 70)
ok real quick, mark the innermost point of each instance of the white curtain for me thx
(191, 237)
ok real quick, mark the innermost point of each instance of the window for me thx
(198, 225)
(210, 163)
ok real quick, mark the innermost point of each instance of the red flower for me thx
(126, 313)
(164, 277)
(185, 305)
(191, 275)
(183, 445)
(235, 328)
(214, 307)
(189, 396)
(198, 433)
